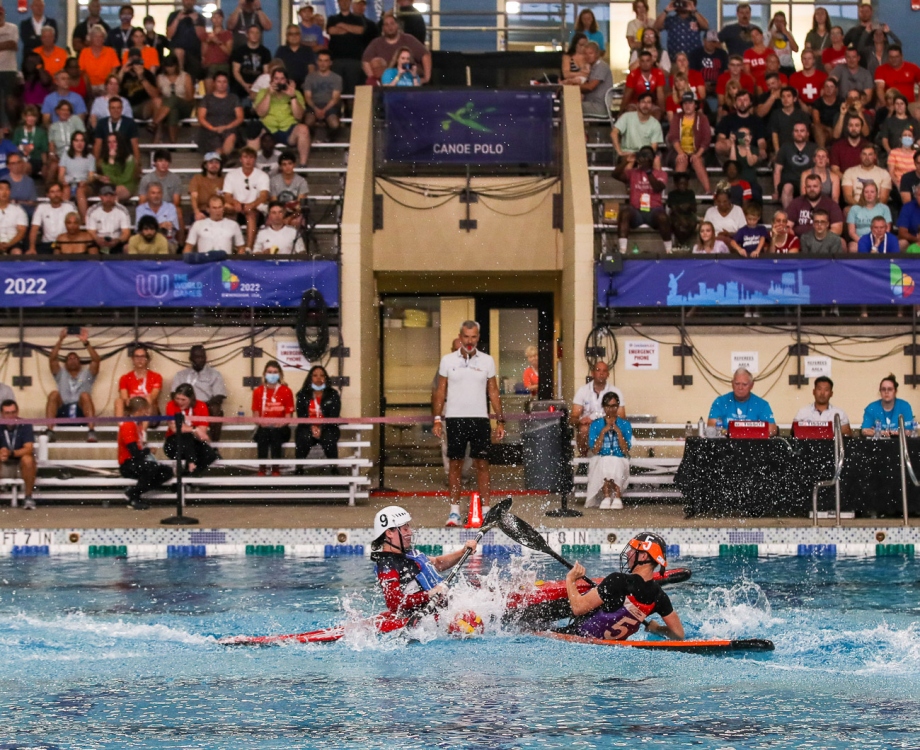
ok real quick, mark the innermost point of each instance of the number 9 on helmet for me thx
(391, 517)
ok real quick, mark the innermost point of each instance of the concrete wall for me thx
(510, 236)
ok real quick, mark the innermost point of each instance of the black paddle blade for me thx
(523, 533)
(495, 514)
(752, 644)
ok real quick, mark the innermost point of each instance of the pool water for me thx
(123, 654)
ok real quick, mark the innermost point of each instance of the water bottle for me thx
(719, 427)
(688, 430)
(878, 429)
(701, 428)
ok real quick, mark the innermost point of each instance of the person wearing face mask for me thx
(273, 400)
(317, 399)
(159, 42)
(901, 159)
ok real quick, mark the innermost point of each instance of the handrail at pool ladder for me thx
(906, 466)
(835, 480)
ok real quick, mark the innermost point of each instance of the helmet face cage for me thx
(651, 544)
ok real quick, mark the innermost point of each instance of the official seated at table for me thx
(741, 405)
(822, 410)
(883, 414)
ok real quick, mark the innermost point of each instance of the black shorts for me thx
(473, 430)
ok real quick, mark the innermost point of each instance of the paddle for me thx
(496, 513)
(525, 534)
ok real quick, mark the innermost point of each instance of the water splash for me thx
(741, 610)
(19, 627)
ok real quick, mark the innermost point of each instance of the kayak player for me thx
(622, 602)
(409, 578)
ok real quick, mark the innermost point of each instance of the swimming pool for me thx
(122, 654)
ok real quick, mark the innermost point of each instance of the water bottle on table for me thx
(878, 429)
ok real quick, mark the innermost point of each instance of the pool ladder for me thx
(838, 470)
(907, 468)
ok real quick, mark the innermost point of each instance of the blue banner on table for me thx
(736, 282)
(101, 283)
(469, 127)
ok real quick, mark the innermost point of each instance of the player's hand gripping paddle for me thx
(492, 519)
(523, 533)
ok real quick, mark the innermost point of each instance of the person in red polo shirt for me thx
(273, 399)
(836, 54)
(897, 74)
(135, 460)
(192, 442)
(755, 58)
(141, 381)
(809, 80)
(647, 77)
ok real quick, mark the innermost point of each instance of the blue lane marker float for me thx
(500, 550)
(186, 550)
(343, 550)
(30, 550)
(817, 550)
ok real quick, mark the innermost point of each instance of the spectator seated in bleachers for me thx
(168, 222)
(706, 241)
(900, 75)
(863, 214)
(909, 179)
(574, 64)
(122, 127)
(821, 240)
(100, 108)
(741, 404)
(637, 130)
(646, 197)
(783, 240)
(825, 111)
(48, 221)
(724, 216)
(148, 240)
(53, 57)
(830, 182)
(851, 76)
(177, 98)
(288, 187)
(808, 82)
(317, 399)
(378, 67)
(191, 444)
(205, 185)
(62, 92)
(36, 85)
(311, 31)
(390, 44)
(17, 457)
(13, 222)
(75, 240)
(586, 23)
(600, 79)
(108, 222)
(272, 399)
(645, 79)
(169, 181)
(208, 384)
(650, 43)
(220, 115)
(751, 241)
(880, 418)
(587, 404)
(697, 86)
(76, 168)
(740, 188)
(742, 131)
(22, 187)
(140, 381)
(137, 82)
(266, 156)
(277, 237)
(802, 208)
(135, 459)
(93, 18)
(32, 140)
(689, 137)
(879, 240)
(734, 75)
(281, 107)
(74, 394)
(97, 61)
(610, 438)
(79, 81)
(119, 38)
(835, 54)
(908, 219)
(138, 49)
(322, 92)
(215, 232)
(681, 206)
(755, 58)
(116, 169)
(152, 39)
(298, 58)
(402, 71)
(794, 157)
(853, 180)
(847, 149)
(246, 191)
(737, 36)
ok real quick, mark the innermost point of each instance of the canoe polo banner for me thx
(888, 280)
(173, 283)
(469, 127)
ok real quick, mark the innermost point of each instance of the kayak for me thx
(690, 647)
(533, 608)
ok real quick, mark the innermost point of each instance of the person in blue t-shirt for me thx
(610, 438)
(741, 405)
(886, 410)
(878, 240)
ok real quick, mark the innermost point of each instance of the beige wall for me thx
(511, 235)
(856, 384)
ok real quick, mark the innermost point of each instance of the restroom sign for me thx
(641, 355)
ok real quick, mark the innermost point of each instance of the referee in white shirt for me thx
(821, 410)
(466, 387)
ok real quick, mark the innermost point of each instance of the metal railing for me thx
(907, 468)
(835, 480)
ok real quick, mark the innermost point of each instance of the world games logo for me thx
(152, 285)
(229, 279)
(902, 285)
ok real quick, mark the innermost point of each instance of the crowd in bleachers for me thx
(836, 140)
(72, 119)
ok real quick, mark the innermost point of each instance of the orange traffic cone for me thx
(474, 519)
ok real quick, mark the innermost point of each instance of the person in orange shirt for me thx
(97, 61)
(52, 56)
(272, 399)
(149, 55)
(135, 460)
(531, 376)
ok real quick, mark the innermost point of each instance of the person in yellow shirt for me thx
(52, 56)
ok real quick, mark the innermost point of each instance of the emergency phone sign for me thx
(641, 355)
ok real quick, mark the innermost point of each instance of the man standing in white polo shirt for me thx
(821, 410)
(586, 407)
(215, 232)
(466, 387)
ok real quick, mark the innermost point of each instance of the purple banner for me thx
(889, 280)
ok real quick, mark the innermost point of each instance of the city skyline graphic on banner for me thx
(791, 289)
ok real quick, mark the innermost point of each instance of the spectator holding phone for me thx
(402, 71)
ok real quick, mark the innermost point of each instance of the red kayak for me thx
(533, 608)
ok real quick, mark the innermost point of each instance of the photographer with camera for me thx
(402, 71)
(683, 22)
(185, 29)
(281, 109)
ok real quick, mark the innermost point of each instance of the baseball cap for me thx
(212, 155)
(106, 190)
(688, 97)
(712, 35)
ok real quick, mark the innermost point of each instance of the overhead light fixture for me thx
(422, 7)
(512, 8)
